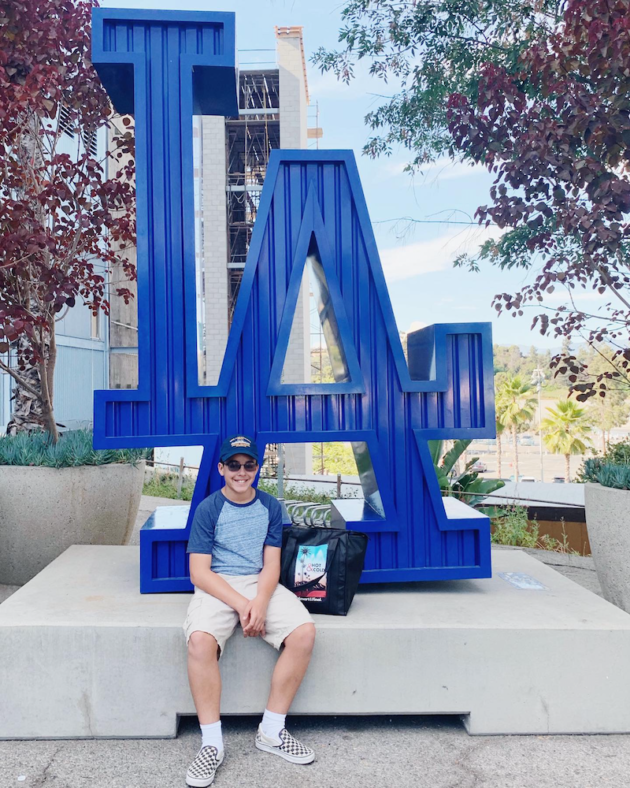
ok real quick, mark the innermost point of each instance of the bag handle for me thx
(293, 543)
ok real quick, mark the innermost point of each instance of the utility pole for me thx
(286, 519)
(538, 377)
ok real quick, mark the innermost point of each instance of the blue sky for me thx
(417, 259)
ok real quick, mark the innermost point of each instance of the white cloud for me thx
(391, 169)
(437, 254)
(326, 85)
(415, 326)
(443, 169)
(446, 170)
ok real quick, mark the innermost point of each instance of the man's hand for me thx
(253, 618)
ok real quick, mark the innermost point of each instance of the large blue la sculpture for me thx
(162, 67)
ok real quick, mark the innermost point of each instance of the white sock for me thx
(211, 736)
(272, 724)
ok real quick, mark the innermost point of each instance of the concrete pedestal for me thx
(85, 655)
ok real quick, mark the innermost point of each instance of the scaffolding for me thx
(250, 138)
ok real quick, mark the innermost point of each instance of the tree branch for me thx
(609, 283)
(16, 262)
(19, 379)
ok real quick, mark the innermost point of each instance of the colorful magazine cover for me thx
(310, 566)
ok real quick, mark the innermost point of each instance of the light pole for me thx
(538, 377)
(286, 518)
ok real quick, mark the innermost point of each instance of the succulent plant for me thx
(607, 474)
(74, 448)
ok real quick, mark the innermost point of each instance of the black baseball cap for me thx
(238, 444)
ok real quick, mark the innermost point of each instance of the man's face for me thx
(240, 479)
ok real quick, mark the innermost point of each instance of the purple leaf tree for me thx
(64, 223)
(556, 133)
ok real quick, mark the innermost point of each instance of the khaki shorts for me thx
(208, 614)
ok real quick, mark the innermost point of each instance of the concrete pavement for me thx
(357, 752)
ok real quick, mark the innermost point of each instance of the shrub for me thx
(513, 528)
(612, 469)
(546, 542)
(618, 453)
(164, 485)
(73, 449)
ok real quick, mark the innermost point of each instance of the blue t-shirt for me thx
(234, 534)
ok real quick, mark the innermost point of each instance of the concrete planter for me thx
(45, 510)
(608, 523)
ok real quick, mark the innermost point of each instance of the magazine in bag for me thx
(310, 565)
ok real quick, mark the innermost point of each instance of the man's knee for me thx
(203, 646)
(302, 638)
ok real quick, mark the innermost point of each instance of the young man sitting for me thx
(234, 549)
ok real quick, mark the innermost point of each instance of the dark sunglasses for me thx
(235, 466)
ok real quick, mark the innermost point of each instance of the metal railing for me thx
(309, 513)
(182, 467)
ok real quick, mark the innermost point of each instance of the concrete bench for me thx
(84, 654)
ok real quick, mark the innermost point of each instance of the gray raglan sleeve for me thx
(201, 539)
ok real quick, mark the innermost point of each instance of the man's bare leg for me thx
(204, 676)
(290, 668)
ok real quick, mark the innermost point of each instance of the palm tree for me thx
(516, 403)
(500, 428)
(566, 431)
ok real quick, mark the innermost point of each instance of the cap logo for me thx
(240, 441)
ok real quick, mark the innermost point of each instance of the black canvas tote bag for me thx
(322, 566)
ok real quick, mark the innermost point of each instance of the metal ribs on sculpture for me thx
(162, 67)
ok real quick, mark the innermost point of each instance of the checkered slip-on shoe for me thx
(202, 770)
(288, 748)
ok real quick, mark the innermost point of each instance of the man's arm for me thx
(256, 610)
(204, 578)
(270, 573)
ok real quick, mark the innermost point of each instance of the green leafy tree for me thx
(430, 49)
(516, 404)
(510, 360)
(538, 94)
(321, 369)
(507, 359)
(500, 429)
(334, 458)
(566, 431)
(611, 411)
(556, 133)
(535, 359)
(606, 414)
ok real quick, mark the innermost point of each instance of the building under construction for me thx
(230, 157)
(249, 139)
